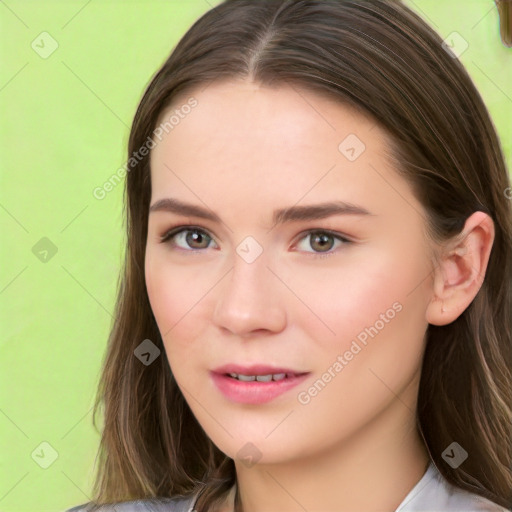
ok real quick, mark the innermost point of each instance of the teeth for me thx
(259, 378)
(264, 378)
(246, 378)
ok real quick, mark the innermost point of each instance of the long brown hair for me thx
(382, 59)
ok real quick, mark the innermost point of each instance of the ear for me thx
(460, 271)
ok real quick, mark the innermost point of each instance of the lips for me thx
(255, 384)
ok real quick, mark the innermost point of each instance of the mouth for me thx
(256, 384)
(260, 378)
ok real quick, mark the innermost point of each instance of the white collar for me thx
(433, 493)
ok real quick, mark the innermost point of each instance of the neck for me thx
(373, 470)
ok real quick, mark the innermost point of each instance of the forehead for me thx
(270, 144)
(257, 114)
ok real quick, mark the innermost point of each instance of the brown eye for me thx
(197, 237)
(187, 238)
(321, 242)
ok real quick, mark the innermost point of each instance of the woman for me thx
(315, 306)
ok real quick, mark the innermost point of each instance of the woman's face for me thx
(277, 275)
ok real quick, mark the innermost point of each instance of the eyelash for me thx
(168, 235)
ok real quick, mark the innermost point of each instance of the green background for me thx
(64, 129)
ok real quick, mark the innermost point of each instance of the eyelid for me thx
(331, 252)
(170, 233)
(334, 234)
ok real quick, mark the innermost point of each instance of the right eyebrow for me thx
(281, 216)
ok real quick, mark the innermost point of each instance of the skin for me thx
(244, 151)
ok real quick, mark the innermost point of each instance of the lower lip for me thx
(254, 392)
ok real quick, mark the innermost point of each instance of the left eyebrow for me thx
(281, 216)
(318, 211)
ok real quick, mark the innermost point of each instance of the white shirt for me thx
(433, 493)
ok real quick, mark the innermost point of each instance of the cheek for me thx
(379, 326)
(177, 299)
(373, 299)
(173, 292)
(349, 293)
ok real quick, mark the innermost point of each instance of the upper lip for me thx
(256, 369)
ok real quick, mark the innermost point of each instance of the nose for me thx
(250, 299)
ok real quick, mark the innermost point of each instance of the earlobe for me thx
(460, 271)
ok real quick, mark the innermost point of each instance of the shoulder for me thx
(184, 504)
(434, 492)
(463, 500)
